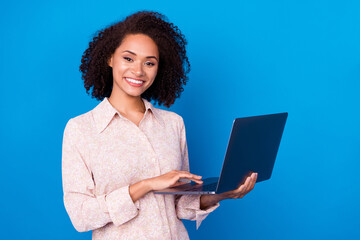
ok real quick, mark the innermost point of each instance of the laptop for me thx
(252, 147)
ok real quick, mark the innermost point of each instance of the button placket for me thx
(153, 157)
(161, 198)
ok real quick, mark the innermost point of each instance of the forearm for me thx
(207, 201)
(139, 189)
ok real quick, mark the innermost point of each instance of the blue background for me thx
(247, 57)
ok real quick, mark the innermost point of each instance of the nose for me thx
(137, 69)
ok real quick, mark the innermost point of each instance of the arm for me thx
(207, 201)
(86, 209)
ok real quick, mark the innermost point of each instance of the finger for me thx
(253, 182)
(191, 174)
(178, 182)
(244, 186)
(240, 189)
(233, 196)
(248, 185)
(197, 181)
(241, 196)
(194, 180)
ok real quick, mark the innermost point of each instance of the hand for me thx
(242, 190)
(210, 200)
(170, 179)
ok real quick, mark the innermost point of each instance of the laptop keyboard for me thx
(208, 187)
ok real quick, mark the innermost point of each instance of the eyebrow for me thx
(135, 54)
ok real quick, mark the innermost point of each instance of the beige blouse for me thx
(103, 153)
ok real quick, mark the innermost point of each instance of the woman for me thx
(115, 155)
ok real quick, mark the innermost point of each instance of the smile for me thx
(135, 83)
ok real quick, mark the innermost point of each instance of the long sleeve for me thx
(188, 206)
(87, 210)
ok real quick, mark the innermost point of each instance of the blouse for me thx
(103, 153)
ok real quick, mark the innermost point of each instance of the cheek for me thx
(120, 68)
(151, 75)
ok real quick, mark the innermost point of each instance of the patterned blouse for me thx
(104, 153)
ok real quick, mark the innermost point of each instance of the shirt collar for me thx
(104, 112)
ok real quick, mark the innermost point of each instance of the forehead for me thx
(140, 44)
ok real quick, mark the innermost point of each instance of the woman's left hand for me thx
(240, 192)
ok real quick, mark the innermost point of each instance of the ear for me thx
(110, 61)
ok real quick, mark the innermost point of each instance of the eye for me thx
(128, 59)
(150, 64)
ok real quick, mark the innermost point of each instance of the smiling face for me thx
(134, 65)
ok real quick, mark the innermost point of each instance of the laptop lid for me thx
(252, 147)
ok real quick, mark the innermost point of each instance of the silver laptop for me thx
(253, 146)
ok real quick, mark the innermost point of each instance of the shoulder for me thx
(169, 117)
(81, 124)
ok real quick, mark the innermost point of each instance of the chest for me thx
(124, 155)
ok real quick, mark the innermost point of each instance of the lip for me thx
(134, 84)
(138, 79)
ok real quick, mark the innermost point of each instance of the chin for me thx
(134, 93)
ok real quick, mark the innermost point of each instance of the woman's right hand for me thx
(171, 179)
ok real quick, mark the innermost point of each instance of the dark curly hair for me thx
(173, 66)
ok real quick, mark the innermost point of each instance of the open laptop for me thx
(253, 146)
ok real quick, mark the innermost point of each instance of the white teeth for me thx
(134, 81)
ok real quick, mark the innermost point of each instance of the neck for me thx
(126, 104)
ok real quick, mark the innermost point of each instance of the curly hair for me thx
(173, 67)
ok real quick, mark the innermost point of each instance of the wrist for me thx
(147, 185)
(139, 189)
(220, 197)
(207, 201)
(216, 198)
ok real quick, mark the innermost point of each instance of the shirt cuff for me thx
(192, 203)
(119, 205)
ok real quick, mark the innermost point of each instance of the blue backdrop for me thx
(247, 57)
